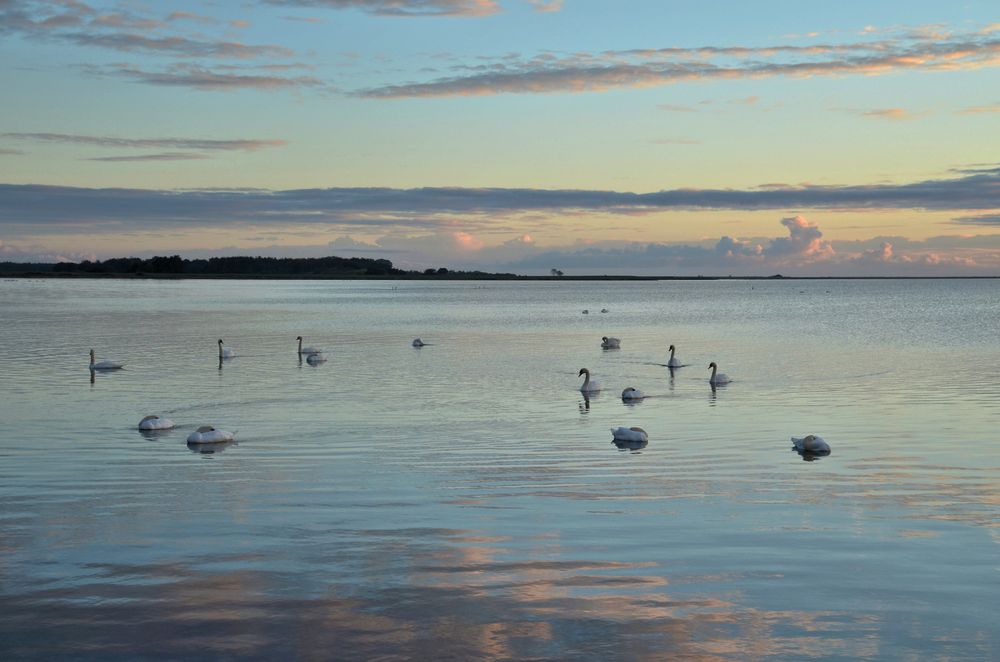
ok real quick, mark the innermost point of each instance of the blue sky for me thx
(507, 134)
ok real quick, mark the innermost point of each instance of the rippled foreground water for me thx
(464, 500)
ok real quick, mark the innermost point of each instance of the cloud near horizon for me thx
(404, 8)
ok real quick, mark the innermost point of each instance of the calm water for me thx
(463, 500)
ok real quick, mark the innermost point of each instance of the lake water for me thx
(464, 501)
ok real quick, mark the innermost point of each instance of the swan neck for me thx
(715, 368)
(300, 344)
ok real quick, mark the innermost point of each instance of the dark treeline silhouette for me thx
(240, 266)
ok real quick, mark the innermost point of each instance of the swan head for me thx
(604, 338)
(583, 371)
(220, 342)
(712, 365)
(671, 348)
(299, 338)
(91, 355)
(206, 428)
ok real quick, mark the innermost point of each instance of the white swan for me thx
(104, 365)
(634, 435)
(589, 386)
(154, 422)
(314, 359)
(673, 362)
(632, 394)
(717, 377)
(811, 444)
(207, 434)
(307, 350)
(610, 343)
(225, 352)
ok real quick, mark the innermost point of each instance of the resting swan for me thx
(155, 422)
(632, 394)
(417, 342)
(225, 352)
(317, 358)
(610, 343)
(811, 444)
(630, 434)
(104, 365)
(588, 385)
(307, 350)
(717, 377)
(673, 362)
(206, 434)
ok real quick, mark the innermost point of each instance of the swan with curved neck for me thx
(717, 377)
(589, 385)
(103, 365)
(307, 350)
(225, 352)
(610, 343)
(673, 362)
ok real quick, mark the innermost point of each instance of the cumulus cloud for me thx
(593, 72)
(401, 7)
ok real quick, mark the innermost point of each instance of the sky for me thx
(650, 137)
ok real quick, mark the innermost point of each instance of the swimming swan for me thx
(417, 342)
(717, 377)
(635, 435)
(104, 365)
(673, 362)
(154, 422)
(307, 350)
(315, 359)
(225, 352)
(588, 385)
(811, 444)
(610, 343)
(632, 394)
(206, 434)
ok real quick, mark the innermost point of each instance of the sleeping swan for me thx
(635, 435)
(717, 377)
(417, 342)
(632, 394)
(104, 365)
(811, 444)
(154, 422)
(206, 434)
(307, 350)
(225, 352)
(588, 385)
(610, 343)
(673, 362)
(316, 359)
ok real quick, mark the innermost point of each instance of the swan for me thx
(207, 434)
(104, 365)
(604, 310)
(588, 385)
(317, 358)
(811, 444)
(610, 343)
(417, 342)
(635, 435)
(225, 352)
(586, 312)
(717, 377)
(307, 350)
(155, 422)
(632, 394)
(674, 362)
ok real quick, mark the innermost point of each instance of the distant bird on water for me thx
(103, 365)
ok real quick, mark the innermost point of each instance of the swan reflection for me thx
(209, 449)
(632, 446)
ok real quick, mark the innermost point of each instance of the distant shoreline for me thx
(450, 277)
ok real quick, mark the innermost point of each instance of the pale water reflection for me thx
(465, 501)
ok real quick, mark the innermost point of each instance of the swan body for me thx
(634, 435)
(717, 377)
(589, 385)
(610, 343)
(103, 365)
(632, 394)
(604, 310)
(673, 362)
(154, 422)
(811, 444)
(417, 342)
(225, 352)
(586, 312)
(314, 359)
(307, 350)
(207, 434)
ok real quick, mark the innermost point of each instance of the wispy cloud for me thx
(546, 5)
(166, 156)
(594, 72)
(894, 114)
(204, 78)
(11, 152)
(980, 219)
(147, 143)
(977, 110)
(467, 8)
